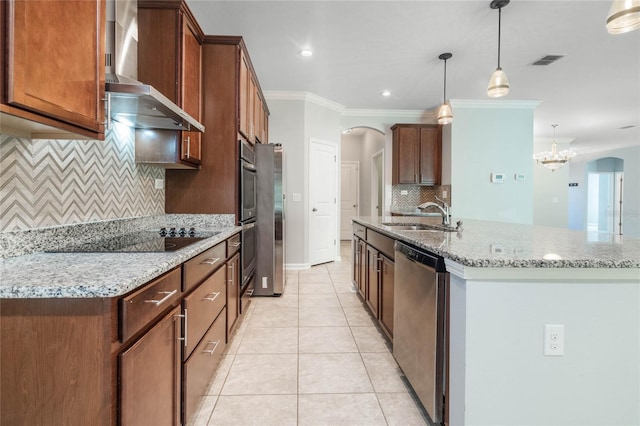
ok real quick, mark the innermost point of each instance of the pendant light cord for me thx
(444, 95)
(499, 25)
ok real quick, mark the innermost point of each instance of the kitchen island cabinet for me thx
(417, 154)
(62, 97)
(510, 280)
(98, 348)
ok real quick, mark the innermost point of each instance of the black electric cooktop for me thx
(140, 242)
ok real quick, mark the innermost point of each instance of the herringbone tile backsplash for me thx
(57, 182)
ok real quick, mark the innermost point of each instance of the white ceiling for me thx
(363, 47)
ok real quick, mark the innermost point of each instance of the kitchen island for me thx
(507, 281)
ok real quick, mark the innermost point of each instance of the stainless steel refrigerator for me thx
(270, 250)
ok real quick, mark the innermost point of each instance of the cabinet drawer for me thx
(201, 266)
(381, 242)
(141, 307)
(199, 369)
(233, 245)
(202, 306)
(359, 230)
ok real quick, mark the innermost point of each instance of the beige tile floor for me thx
(313, 356)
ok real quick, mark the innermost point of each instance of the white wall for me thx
(550, 189)
(499, 375)
(631, 202)
(294, 121)
(492, 137)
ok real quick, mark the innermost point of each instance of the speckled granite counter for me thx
(413, 211)
(86, 275)
(505, 245)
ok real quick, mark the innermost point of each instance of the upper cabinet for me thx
(52, 68)
(417, 154)
(170, 59)
(253, 115)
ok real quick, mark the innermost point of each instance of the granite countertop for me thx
(487, 244)
(414, 211)
(85, 275)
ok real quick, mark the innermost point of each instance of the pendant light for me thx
(624, 16)
(554, 160)
(445, 115)
(498, 85)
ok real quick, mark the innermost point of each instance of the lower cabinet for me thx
(149, 376)
(373, 270)
(387, 270)
(200, 366)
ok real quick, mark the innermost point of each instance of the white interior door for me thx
(349, 190)
(322, 202)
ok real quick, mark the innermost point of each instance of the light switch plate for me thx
(296, 196)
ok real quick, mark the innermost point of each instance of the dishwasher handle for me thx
(420, 256)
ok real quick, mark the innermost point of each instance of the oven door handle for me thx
(248, 225)
(248, 166)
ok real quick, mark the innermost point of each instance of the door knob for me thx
(314, 209)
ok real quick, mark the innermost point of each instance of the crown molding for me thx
(306, 97)
(493, 103)
(402, 113)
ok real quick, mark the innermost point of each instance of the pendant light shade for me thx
(445, 115)
(498, 84)
(624, 16)
(554, 160)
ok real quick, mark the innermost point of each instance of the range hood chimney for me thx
(130, 101)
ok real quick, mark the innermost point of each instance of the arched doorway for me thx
(605, 178)
(361, 147)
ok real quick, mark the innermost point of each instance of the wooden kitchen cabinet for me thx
(253, 114)
(233, 292)
(417, 154)
(387, 271)
(372, 292)
(227, 74)
(373, 273)
(61, 96)
(149, 373)
(170, 59)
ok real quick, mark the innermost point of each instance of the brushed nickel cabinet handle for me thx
(215, 345)
(164, 299)
(210, 298)
(185, 326)
(234, 244)
(188, 146)
(210, 261)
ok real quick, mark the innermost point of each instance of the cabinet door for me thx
(258, 114)
(233, 290)
(245, 96)
(406, 162)
(191, 90)
(150, 376)
(387, 270)
(55, 60)
(430, 155)
(362, 268)
(372, 284)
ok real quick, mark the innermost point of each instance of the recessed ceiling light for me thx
(385, 93)
(306, 53)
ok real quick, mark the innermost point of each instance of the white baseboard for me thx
(296, 266)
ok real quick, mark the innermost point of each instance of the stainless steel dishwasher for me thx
(419, 324)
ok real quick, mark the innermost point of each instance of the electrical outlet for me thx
(554, 340)
(404, 192)
(444, 195)
(159, 184)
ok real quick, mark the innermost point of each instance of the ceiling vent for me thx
(547, 60)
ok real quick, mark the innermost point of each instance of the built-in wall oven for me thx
(247, 209)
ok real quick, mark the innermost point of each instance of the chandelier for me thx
(554, 160)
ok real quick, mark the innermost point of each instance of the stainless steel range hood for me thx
(130, 101)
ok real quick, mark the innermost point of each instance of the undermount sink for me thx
(419, 227)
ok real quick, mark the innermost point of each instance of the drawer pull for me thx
(234, 244)
(211, 299)
(215, 345)
(185, 326)
(210, 261)
(164, 299)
